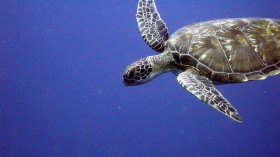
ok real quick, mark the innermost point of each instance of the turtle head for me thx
(138, 72)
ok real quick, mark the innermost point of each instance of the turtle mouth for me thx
(129, 77)
(127, 82)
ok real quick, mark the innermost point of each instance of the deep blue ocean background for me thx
(61, 93)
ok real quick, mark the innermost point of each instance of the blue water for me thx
(61, 93)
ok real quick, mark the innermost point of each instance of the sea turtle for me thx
(225, 51)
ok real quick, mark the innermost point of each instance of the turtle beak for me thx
(128, 77)
(126, 81)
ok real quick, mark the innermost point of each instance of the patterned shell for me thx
(230, 50)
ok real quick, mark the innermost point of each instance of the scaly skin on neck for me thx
(162, 63)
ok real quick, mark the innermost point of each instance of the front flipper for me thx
(152, 27)
(203, 89)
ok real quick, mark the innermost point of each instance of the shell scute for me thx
(188, 60)
(223, 77)
(241, 56)
(255, 76)
(200, 29)
(204, 70)
(207, 50)
(278, 64)
(180, 43)
(237, 78)
(234, 24)
(271, 70)
(264, 37)
(176, 57)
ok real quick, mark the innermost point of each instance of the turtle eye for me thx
(131, 74)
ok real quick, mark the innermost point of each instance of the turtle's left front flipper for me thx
(203, 89)
(152, 27)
